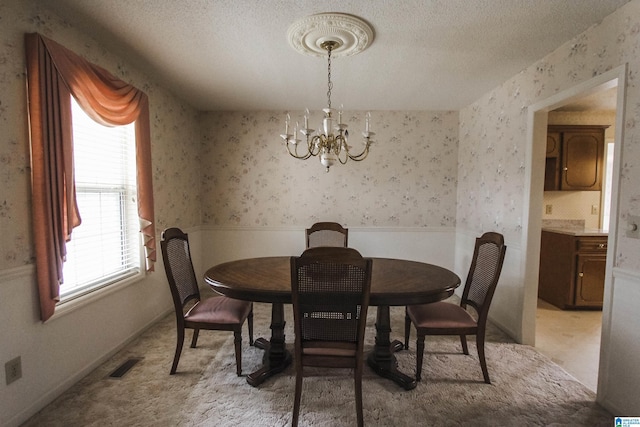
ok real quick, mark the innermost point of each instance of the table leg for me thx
(276, 357)
(381, 358)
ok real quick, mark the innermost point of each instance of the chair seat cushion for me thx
(440, 315)
(329, 348)
(219, 310)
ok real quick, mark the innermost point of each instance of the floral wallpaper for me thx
(493, 130)
(174, 130)
(230, 169)
(428, 169)
(408, 179)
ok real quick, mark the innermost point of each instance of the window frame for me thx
(126, 206)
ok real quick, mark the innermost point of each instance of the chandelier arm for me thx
(340, 144)
(337, 147)
(363, 155)
(313, 145)
(360, 157)
(295, 152)
(346, 157)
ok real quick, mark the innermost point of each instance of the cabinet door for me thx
(590, 273)
(582, 160)
(557, 269)
(552, 164)
(552, 174)
(553, 144)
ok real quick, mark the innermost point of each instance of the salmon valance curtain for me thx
(53, 74)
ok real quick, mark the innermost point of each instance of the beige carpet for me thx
(527, 388)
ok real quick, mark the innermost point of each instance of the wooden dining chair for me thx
(443, 318)
(330, 290)
(327, 234)
(192, 312)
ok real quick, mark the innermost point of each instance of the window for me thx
(106, 247)
(54, 73)
(608, 182)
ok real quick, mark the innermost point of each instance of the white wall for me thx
(573, 205)
(431, 245)
(621, 338)
(58, 353)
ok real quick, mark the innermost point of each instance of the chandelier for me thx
(317, 34)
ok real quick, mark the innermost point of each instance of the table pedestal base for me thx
(381, 359)
(276, 357)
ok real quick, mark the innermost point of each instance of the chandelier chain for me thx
(329, 82)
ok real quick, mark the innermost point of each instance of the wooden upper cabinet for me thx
(575, 158)
(582, 160)
(552, 165)
(553, 144)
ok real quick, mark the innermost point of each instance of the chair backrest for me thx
(486, 265)
(327, 234)
(179, 268)
(330, 292)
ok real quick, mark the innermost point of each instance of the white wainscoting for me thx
(222, 244)
(440, 246)
(58, 353)
(619, 377)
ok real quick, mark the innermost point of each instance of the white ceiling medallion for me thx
(351, 34)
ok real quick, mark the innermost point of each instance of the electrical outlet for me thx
(548, 209)
(13, 370)
(594, 209)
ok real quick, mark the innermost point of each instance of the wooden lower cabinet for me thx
(590, 280)
(572, 270)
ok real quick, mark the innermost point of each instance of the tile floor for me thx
(571, 338)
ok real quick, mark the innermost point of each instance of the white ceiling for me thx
(426, 54)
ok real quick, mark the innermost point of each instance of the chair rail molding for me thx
(14, 273)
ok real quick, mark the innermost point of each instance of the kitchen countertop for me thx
(579, 232)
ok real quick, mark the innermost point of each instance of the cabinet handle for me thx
(602, 246)
(581, 274)
(566, 169)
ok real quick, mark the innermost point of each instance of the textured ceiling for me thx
(426, 54)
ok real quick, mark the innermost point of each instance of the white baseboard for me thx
(52, 394)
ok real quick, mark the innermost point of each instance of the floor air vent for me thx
(124, 368)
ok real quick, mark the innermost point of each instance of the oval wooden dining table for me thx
(394, 282)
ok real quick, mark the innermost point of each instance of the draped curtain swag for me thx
(53, 74)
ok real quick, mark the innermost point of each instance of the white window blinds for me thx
(106, 246)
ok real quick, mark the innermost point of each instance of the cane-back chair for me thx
(327, 234)
(192, 312)
(444, 318)
(330, 292)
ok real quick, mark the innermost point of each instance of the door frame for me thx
(537, 118)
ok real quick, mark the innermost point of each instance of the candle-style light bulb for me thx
(295, 131)
(286, 124)
(306, 118)
(340, 114)
(367, 117)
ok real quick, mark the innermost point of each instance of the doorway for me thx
(571, 338)
(538, 120)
